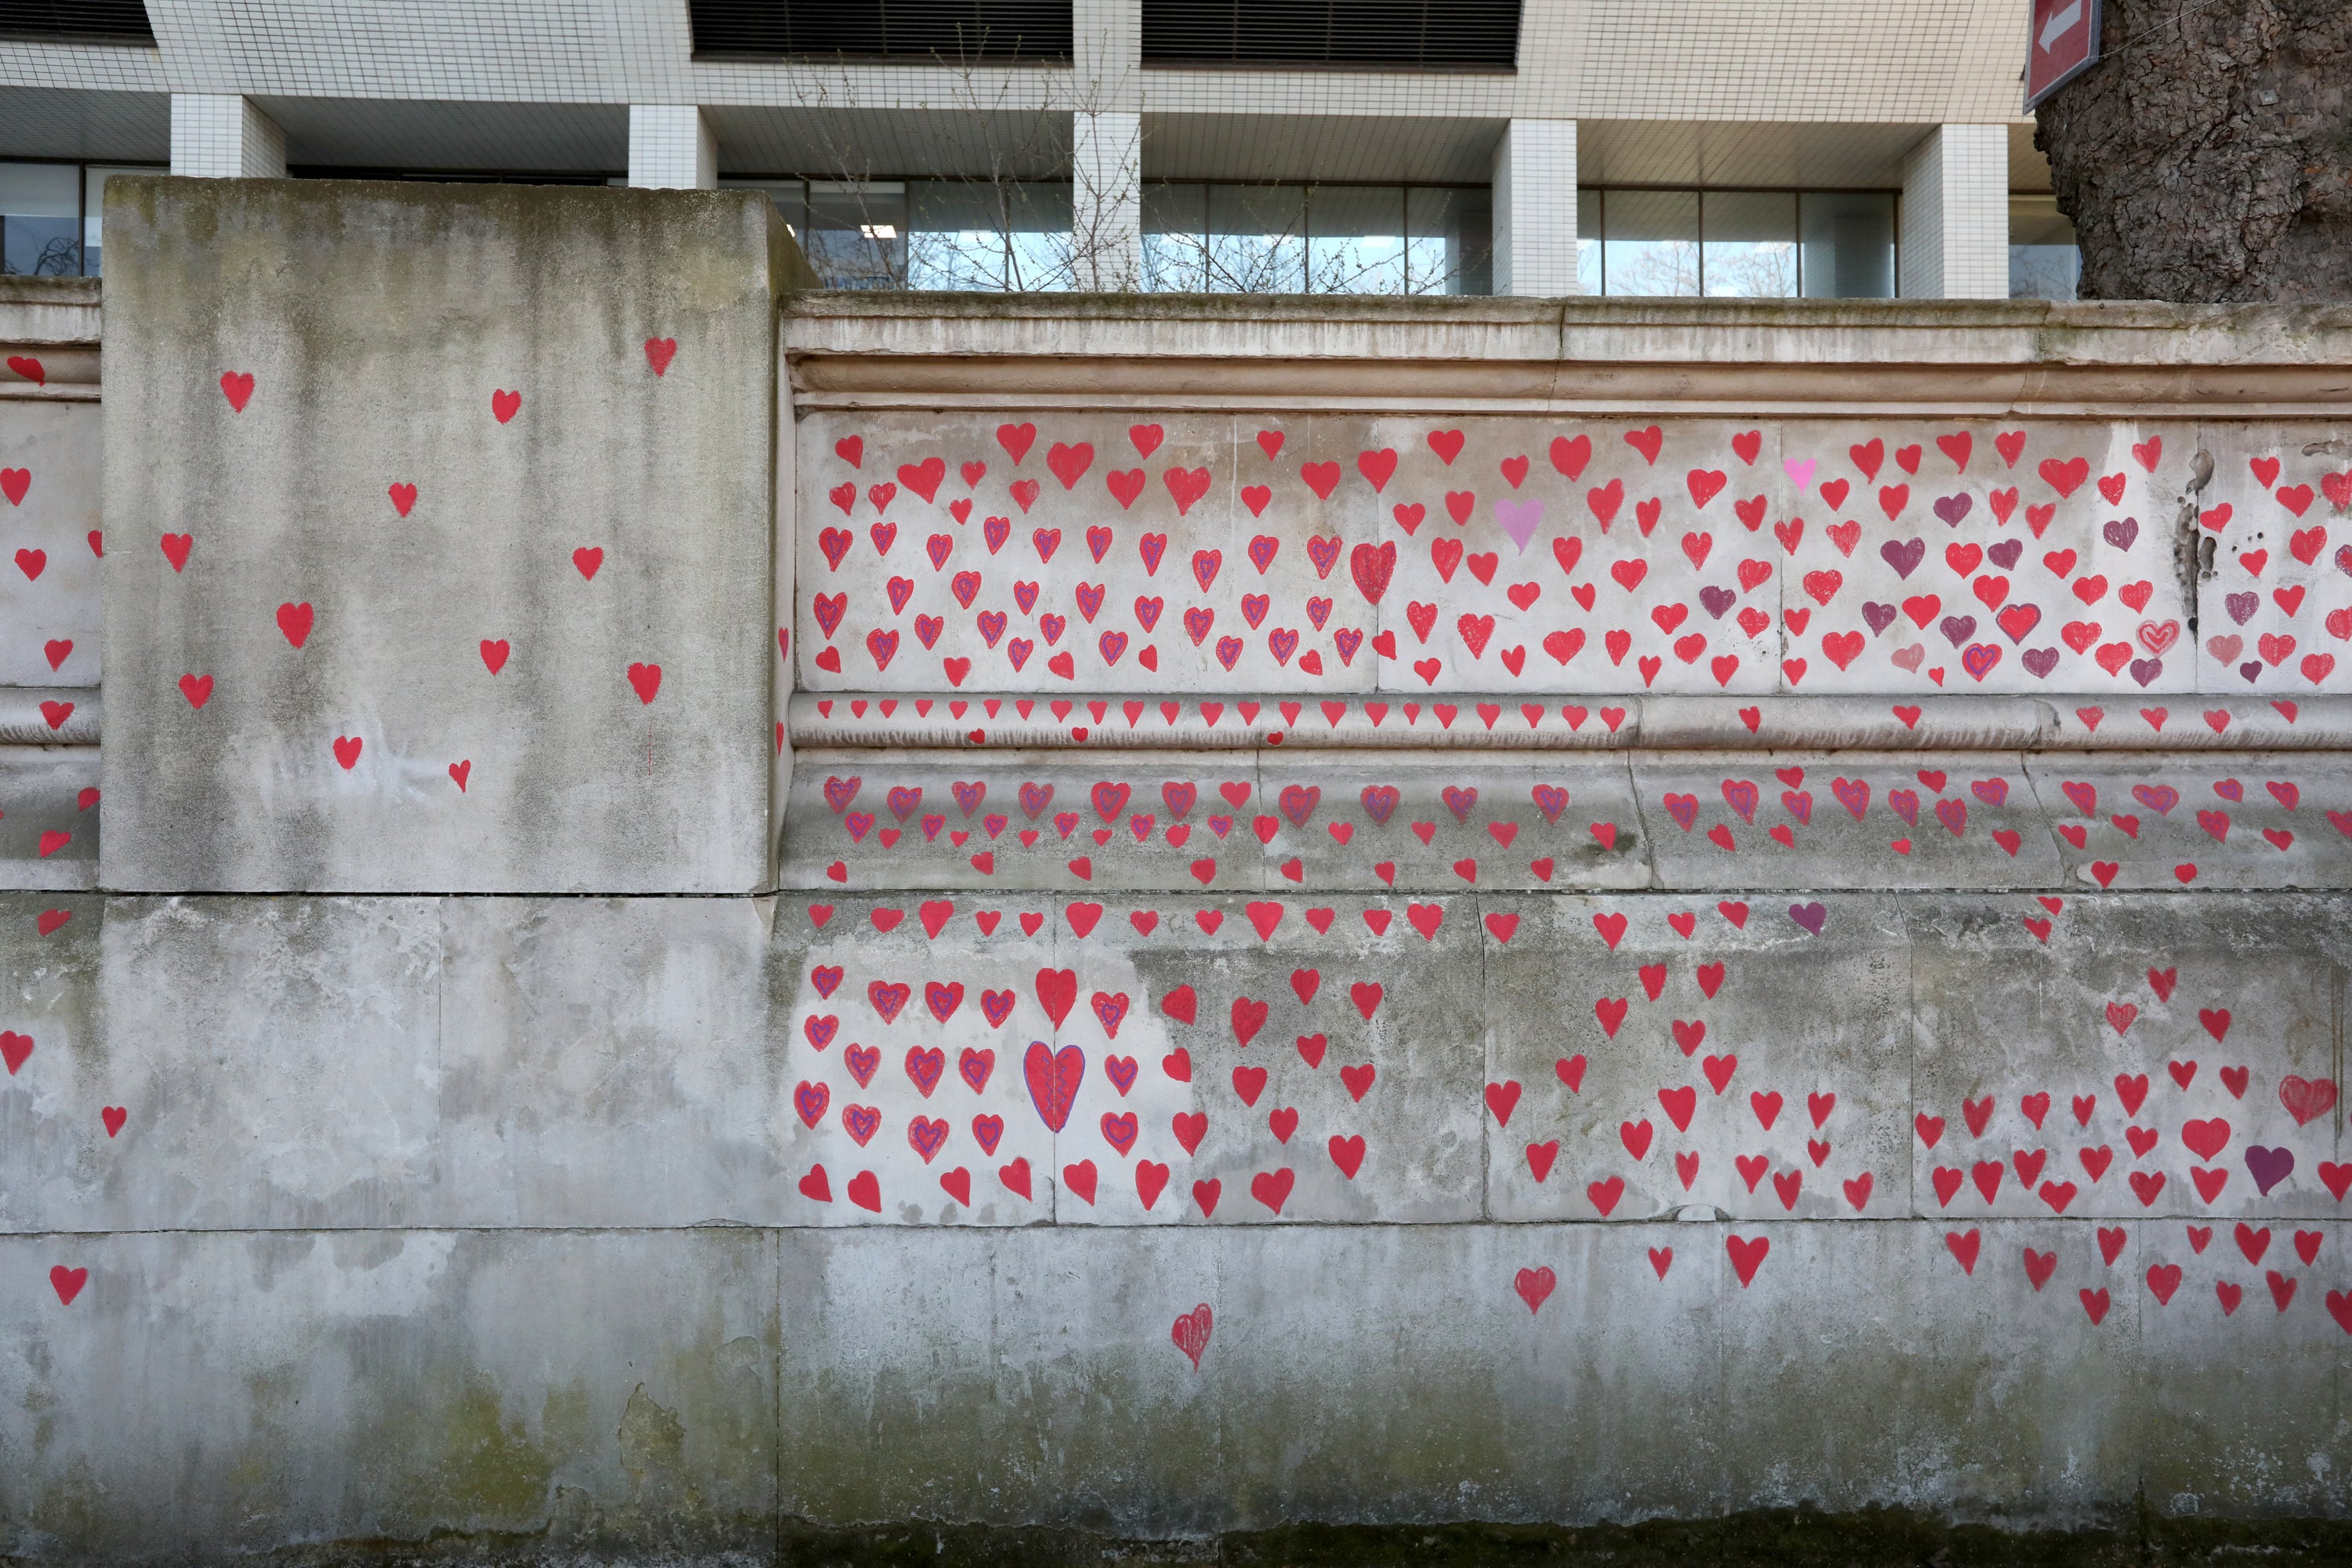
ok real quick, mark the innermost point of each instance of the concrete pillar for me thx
(671, 148)
(1106, 200)
(222, 136)
(1954, 242)
(1534, 208)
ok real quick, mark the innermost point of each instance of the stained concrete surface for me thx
(417, 604)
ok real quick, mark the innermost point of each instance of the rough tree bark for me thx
(2207, 156)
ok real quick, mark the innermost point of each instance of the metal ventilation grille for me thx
(1427, 35)
(922, 30)
(123, 20)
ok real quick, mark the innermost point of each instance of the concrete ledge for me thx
(1742, 357)
(1515, 722)
(49, 715)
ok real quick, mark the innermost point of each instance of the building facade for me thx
(1746, 148)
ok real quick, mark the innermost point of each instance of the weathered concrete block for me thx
(204, 1396)
(1203, 1060)
(58, 1145)
(280, 1061)
(1649, 1055)
(2126, 1058)
(2239, 1323)
(2275, 604)
(1332, 1049)
(2033, 555)
(1921, 1365)
(51, 543)
(442, 531)
(606, 1061)
(49, 816)
(1379, 1373)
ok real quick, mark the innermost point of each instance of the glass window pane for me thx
(40, 219)
(857, 233)
(1751, 244)
(1848, 238)
(1257, 239)
(1175, 237)
(955, 234)
(2043, 261)
(1449, 239)
(93, 210)
(1588, 241)
(1651, 246)
(1355, 239)
(1043, 249)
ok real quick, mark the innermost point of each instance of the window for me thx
(76, 21)
(882, 29)
(1728, 244)
(1317, 239)
(1380, 34)
(1017, 236)
(2043, 260)
(50, 217)
(973, 235)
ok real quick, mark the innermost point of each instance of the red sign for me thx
(2064, 43)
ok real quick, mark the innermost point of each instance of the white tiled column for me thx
(671, 148)
(1106, 200)
(1534, 208)
(222, 136)
(1955, 215)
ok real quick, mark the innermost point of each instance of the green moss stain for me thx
(489, 1467)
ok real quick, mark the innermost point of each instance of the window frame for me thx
(1797, 194)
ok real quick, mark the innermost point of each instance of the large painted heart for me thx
(2306, 1100)
(1373, 567)
(1052, 1078)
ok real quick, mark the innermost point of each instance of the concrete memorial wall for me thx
(1705, 931)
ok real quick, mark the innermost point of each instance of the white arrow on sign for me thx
(2062, 23)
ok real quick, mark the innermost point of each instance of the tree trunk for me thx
(2207, 156)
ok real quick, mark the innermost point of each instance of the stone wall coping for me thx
(1895, 357)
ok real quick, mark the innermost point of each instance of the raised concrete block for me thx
(204, 1396)
(1187, 821)
(2252, 820)
(441, 527)
(1796, 819)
